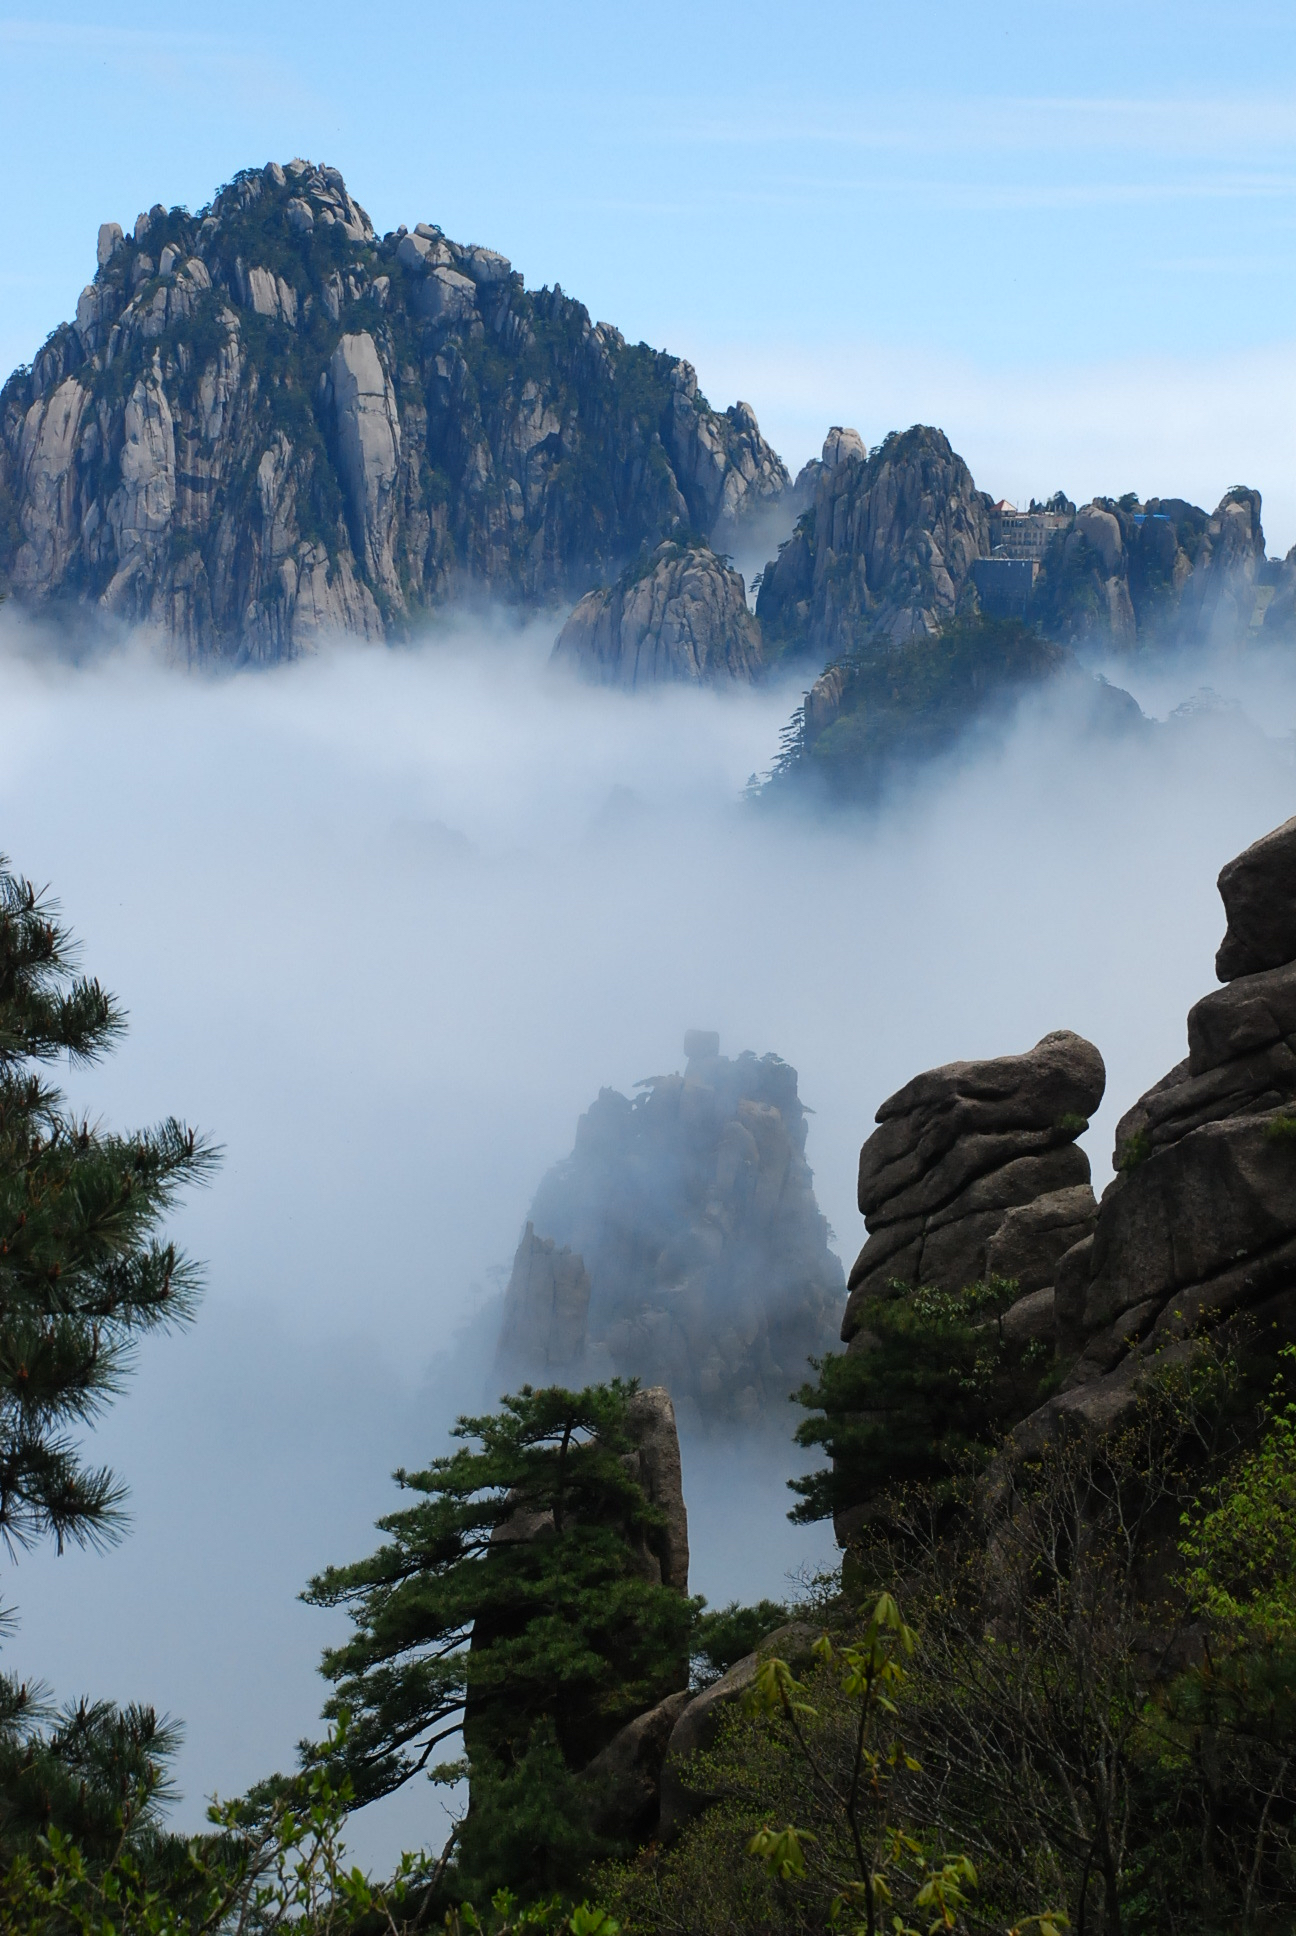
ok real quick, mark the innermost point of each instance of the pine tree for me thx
(517, 1601)
(82, 1270)
(82, 1273)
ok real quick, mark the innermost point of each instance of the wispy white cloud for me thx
(251, 74)
(926, 124)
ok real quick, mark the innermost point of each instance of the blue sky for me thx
(1065, 234)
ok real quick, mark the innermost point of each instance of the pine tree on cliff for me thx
(516, 1600)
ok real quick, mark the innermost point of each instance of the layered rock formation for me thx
(680, 613)
(692, 1209)
(1199, 1225)
(974, 1172)
(266, 420)
(886, 549)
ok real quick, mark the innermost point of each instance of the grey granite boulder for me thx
(683, 1794)
(623, 1782)
(1034, 1237)
(974, 1171)
(1198, 1229)
(651, 1419)
(1259, 894)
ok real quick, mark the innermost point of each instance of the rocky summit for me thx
(266, 420)
(681, 1243)
(887, 546)
(680, 613)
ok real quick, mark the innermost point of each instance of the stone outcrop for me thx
(974, 1171)
(1258, 890)
(1164, 572)
(651, 1422)
(1199, 1225)
(692, 1208)
(546, 1310)
(885, 550)
(679, 614)
(266, 420)
(885, 543)
(624, 1781)
(683, 1794)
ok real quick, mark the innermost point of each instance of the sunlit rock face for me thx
(885, 549)
(679, 614)
(267, 421)
(692, 1209)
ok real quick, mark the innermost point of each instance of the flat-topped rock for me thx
(1053, 1088)
(961, 1155)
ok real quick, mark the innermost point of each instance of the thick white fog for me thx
(385, 922)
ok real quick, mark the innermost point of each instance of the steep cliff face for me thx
(885, 550)
(266, 420)
(973, 1170)
(680, 613)
(1199, 1226)
(1160, 572)
(692, 1210)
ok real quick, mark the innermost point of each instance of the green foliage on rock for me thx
(1061, 1722)
(518, 1600)
(928, 1388)
(1242, 1554)
(899, 705)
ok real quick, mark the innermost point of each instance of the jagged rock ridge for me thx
(692, 1210)
(266, 420)
(888, 546)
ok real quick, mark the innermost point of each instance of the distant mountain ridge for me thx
(267, 420)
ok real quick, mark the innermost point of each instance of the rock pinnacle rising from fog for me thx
(267, 421)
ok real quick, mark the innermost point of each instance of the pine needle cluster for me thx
(82, 1270)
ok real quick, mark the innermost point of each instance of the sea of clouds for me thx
(385, 921)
